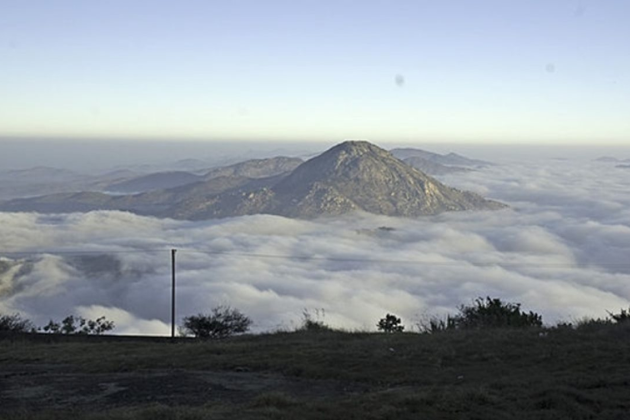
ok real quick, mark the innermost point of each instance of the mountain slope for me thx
(158, 202)
(430, 167)
(155, 181)
(253, 168)
(257, 168)
(354, 175)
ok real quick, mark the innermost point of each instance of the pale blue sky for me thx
(551, 71)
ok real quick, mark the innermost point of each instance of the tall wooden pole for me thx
(173, 293)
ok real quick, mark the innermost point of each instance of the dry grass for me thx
(494, 374)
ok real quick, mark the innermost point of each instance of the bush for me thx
(222, 322)
(592, 324)
(314, 323)
(493, 313)
(621, 317)
(435, 324)
(389, 324)
(78, 325)
(15, 323)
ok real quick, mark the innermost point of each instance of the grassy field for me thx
(484, 374)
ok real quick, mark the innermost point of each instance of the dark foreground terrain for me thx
(497, 374)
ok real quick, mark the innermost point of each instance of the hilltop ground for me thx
(495, 374)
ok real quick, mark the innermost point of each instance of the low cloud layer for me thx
(561, 250)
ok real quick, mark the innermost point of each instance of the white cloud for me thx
(561, 250)
(125, 322)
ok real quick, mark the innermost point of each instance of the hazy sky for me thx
(420, 71)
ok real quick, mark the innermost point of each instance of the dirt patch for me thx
(34, 387)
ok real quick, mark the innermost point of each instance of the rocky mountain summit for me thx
(352, 176)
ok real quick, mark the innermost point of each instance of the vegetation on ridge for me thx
(488, 372)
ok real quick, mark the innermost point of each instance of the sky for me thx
(489, 71)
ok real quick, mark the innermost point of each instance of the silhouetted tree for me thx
(79, 325)
(389, 324)
(15, 323)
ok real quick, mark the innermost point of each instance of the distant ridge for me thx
(253, 168)
(257, 168)
(451, 159)
(430, 167)
(352, 176)
(156, 181)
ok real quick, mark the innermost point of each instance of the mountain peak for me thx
(352, 176)
(354, 148)
(354, 145)
(358, 175)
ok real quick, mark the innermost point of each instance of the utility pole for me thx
(173, 251)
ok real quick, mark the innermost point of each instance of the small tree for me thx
(389, 324)
(222, 322)
(15, 323)
(79, 325)
(493, 313)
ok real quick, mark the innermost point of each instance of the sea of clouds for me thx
(562, 249)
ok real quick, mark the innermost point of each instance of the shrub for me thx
(435, 324)
(15, 323)
(78, 325)
(314, 323)
(222, 322)
(621, 317)
(493, 313)
(389, 324)
(592, 324)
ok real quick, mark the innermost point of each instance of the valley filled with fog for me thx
(562, 249)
